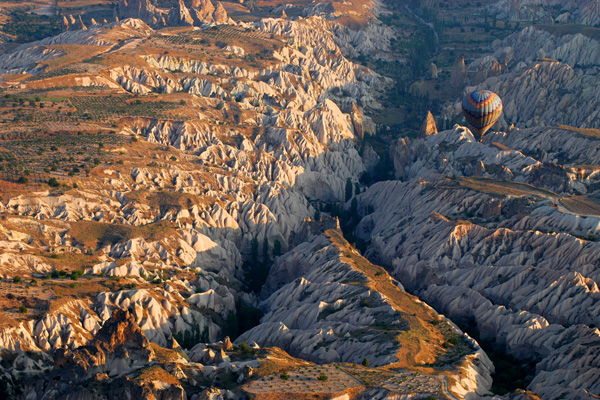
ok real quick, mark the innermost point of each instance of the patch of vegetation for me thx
(101, 108)
(190, 338)
(30, 27)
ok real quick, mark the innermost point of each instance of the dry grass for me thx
(164, 355)
(83, 3)
(10, 189)
(303, 383)
(97, 234)
(82, 288)
(73, 53)
(504, 188)
(276, 360)
(572, 29)
(589, 132)
(156, 373)
(501, 146)
(581, 205)
(69, 262)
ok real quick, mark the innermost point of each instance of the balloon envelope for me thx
(482, 109)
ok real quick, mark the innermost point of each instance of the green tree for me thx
(366, 362)
(53, 182)
(231, 325)
(254, 250)
(348, 189)
(317, 215)
(354, 208)
(266, 250)
(205, 337)
(276, 248)
(247, 317)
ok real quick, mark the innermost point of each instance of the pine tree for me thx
(348, 189)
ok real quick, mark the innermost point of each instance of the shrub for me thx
(453, 339)
(322, 377)
(245, 349)
(76, 274)
(285, 376)
(17, 279)
(22, 309)
(52, 182)
(366, 362)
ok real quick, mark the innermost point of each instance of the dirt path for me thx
(47, 10)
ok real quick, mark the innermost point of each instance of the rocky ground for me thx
(178, 178)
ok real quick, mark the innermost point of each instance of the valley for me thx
(258, 200)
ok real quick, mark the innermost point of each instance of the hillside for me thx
(218, 200)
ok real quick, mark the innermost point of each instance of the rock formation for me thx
(200, 12)
(180, 15)
(219, 168)
(428, 127)
(220, 15)
(458, 73)
(433, 71)
(120, 341)
(466, 241)
(313, 313)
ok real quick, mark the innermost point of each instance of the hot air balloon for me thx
(482, 109)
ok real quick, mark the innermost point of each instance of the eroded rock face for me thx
(199, 13)
(141, 9)
(321, 306)
(536, 88)
(226, 187)
(476, 252)
(120, 342)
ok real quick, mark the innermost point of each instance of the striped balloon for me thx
(482, 109)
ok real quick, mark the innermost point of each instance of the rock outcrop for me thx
(200, 12)
(119, 343)
(428, 127)
(458, 73)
